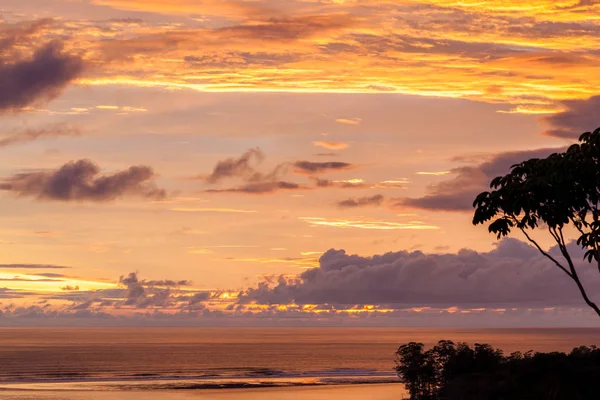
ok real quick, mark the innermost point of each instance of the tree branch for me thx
(545, 254)
(574, 276)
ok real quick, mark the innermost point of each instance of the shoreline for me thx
(191, 384)
(381, 391)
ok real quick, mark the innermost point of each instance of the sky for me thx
(223, 162)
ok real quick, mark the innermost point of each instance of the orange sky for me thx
(268, 132)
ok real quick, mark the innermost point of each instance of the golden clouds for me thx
(530, 55)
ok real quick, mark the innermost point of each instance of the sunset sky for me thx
(244, 161)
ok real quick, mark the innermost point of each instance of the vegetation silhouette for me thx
(551, 193)
(450, 371)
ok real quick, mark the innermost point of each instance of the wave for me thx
(214, 379)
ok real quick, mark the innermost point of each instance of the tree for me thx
(416, 370)
(551, 193)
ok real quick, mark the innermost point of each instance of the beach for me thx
(346, 392)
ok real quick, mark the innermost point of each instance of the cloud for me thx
(283, 29)
(29, 135)
(237, 167)
(309, 167)
(32, 266)
(458, 193)
(157, 293)
(40, 78)
(214, 210)
(80, 181)
(260, 187)
(256, 182)
(361, 202)
(579, 116)
(342, 184)
(512, 275)
(371, 224)
(349, 121)
(69, 288)
(167, 282)
(331, 145)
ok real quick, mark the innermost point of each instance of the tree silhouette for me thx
(551, 193)
(450, 371)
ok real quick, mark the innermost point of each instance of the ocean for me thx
(39, 360)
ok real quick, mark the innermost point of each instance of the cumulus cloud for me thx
(458, 193)
(29, 135)
(578, 116)
(81, 181)
(143, 294)
(309, 167)
(361, 202)
(42, 77)
(512, 275)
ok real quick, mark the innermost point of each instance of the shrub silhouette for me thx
(450, 371)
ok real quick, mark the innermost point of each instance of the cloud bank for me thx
(512, 275)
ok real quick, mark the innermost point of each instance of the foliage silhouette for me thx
(451, 371)
(553, 192)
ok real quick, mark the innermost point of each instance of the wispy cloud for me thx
(213, 210)
(367, 224)
(372, 201)
(331, 145)
(438, 173)
(29, 135)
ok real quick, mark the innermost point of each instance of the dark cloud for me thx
(361, 202)
(256, 182)
(69, 288)
(29, 135)
(512, 275)
(244, 168)
(199, 297)
(51, 275)
(260, 187)
(40, 78)
(6, 293)
(241, 167)
(458, 193)
(135, 289)
(309, 167)
(579, 116)
(80, 181)
(32, 266)
(151, 293)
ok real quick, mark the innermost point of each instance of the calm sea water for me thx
(195, 358)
